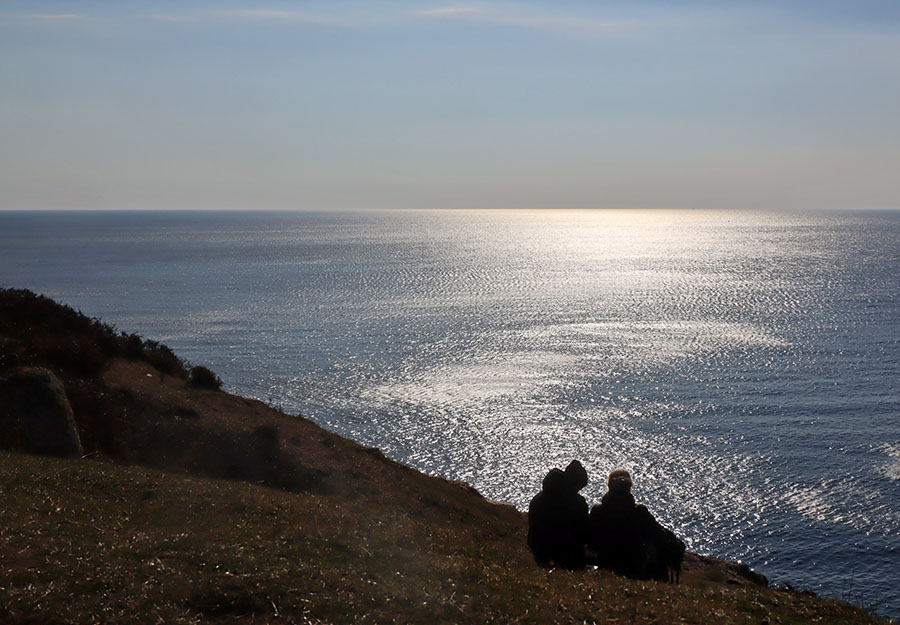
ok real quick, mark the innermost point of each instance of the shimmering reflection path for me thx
(743, 366)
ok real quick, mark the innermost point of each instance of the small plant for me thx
(133, 346)
(201, 377)
(164, 359)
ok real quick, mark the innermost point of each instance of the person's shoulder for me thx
(597, 510)
(580, 504)
(647, 520)
(641, 511)
(537, 500)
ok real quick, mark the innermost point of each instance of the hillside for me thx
(193, 505)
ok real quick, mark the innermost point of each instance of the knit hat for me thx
(619, 481)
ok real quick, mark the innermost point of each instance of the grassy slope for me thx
(89, 541)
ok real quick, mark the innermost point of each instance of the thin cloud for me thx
(168, 18)
(510, 16)
(45, 16)
(448, 12)
(500, 15)
(266, 14)
(579, 26)
(295, 17)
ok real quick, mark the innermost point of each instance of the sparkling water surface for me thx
(745, 367)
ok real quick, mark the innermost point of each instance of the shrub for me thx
(133, 346)
(201, 377)
(68, 342)
(164, 359)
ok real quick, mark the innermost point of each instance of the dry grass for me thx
(92, 542)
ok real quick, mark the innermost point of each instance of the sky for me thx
(389, 104)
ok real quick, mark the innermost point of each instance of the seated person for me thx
(557, 517)
(625, 538)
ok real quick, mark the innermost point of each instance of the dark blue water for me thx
(745, 367)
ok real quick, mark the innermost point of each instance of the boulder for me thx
(42, 413)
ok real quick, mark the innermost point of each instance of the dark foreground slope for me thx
(87, 542)
(195, 506)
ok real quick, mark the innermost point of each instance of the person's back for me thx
(615, 537)
(624, 536)
(556, 519)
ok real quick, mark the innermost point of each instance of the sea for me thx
(743, 366)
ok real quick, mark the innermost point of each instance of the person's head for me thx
(555, 482)
(619, 481)
(576, 476)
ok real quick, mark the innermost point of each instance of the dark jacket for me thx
(625, 538)
(557, 518)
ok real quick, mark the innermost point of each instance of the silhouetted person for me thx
(625, 538)
(557, 518)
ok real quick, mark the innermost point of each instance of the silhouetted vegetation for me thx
(201, 377)
(37, 331)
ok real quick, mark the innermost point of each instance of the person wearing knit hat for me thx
(619, 481)
(557, 518)
(624, 537)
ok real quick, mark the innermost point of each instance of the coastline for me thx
(160, 450)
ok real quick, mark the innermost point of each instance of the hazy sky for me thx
(346, 104)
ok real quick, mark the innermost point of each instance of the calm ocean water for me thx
(745, 367)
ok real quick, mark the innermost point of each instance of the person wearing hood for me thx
(624, 537)
(557, 519)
